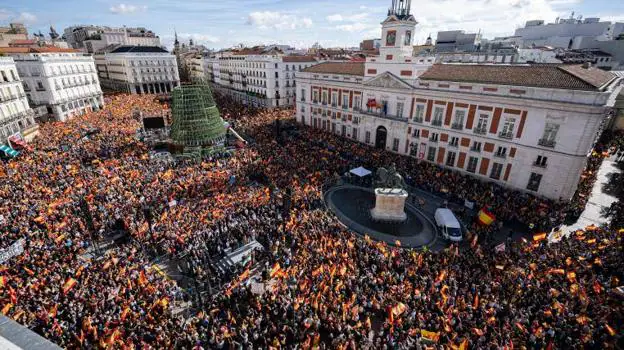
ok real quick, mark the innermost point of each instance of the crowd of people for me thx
(325, 286)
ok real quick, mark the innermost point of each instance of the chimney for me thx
(587, 65)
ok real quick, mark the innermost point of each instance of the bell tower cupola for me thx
(398, 31)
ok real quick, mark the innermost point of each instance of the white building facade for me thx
(91, 39)
(138, 70)
(526, 127)
(16, 116)
(257, 78)
(59, 84)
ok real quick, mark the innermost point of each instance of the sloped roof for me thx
(346, 68)
(45, 49)
(543, 76)
(139, 49)
(594, 76)
(298, 59)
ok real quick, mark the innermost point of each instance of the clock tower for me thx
(397, 32)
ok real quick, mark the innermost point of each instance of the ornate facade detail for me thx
(388, 81)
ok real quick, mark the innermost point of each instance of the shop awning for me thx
(9, 151)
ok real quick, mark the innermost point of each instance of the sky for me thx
(299, 23)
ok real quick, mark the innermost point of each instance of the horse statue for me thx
(389, 178)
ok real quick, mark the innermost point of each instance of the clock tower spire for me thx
(397, 31)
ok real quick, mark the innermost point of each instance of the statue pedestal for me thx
(389, 204)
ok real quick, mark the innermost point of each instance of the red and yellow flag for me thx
(69, 284)
(539, 237)
(485, 217)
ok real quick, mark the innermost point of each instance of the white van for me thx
(448, 225)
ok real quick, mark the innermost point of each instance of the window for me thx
(458, 122)
(367, 137)
(433, 137)
(534, 182)
(324, 100)
(345, 100)
(431, 154)
(454, 141)
(450, 159)
(399, 112)
(315, 97)
(13, 75)
(420, 111)
(357, 102)
(334, 100)
(413, 149)
(472, 164)
(541, 161)
(40, 86)
(482, 124)
(497, 169)
(395, 145)
(416, 133)
(276, 74)
(437, 116)
(501, 152)
(276, 68)
(354, 133)
(303, 94)
(508, 128)
(333, 128)
(550, 135)
(344, 131)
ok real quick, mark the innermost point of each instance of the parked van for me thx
(448, 224)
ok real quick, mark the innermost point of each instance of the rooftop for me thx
(346, 68)
(139, 49)
(572, 77)
(298, 59)
(44, 49)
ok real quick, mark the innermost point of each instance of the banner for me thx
(468, 204)
(15, 249)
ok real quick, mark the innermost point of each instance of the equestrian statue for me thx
(389, 178)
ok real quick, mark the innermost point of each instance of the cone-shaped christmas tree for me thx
(196, 119)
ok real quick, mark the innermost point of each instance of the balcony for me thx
(315, 101)
(547, 143)
(334, 105)
(505, 135)
(457, 126)
(433, 139)
(324, 103)
(539, 165)
(455, 144)
(383, 115)
(481, 131)
(418, 120)
(474, 149)
(436, 122)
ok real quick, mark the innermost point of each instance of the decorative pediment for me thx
(389, 81)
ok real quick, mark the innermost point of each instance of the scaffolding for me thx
(196, 120)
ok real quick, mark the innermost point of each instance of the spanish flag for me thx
(539, 237)
(485, 217)
(6, 308)
(430, 336)
(3, 281)
(69, 284)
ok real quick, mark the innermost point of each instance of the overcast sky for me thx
(300, 23)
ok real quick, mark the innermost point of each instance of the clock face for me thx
(391, 38)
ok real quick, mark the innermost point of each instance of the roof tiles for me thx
(543, 76)
(345, 68)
